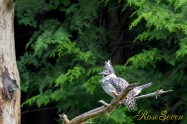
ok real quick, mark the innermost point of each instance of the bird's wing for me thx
(119, 84)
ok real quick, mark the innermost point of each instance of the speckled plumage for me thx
(110, 82)
(130, 100)
(113, 83)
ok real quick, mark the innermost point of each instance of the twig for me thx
(64, 118)
(154, 94)
(104, 103)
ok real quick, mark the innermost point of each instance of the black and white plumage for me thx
(130, 100)
(110, 82)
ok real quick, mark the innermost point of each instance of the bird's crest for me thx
(108, 66)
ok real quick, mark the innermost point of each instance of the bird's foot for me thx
(114, 93)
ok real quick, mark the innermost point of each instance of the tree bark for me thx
(9, 76)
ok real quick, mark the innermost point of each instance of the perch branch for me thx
(107, 108)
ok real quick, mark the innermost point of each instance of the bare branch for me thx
(100, 110)
(107, 108)
(154, 94)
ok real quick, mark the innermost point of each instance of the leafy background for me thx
(61, 46)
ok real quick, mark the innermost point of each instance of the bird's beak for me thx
(103, 73)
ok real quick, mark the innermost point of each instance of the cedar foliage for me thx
(63, 56)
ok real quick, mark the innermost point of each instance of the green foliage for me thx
(27, 11)
(164, 24)
(118, 116)
(144, 58)
(183, 48)
(63, 58)
(164, 21)
(92, 83)
(60, 60)
(48, 45)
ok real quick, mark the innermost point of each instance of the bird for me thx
(113, 84)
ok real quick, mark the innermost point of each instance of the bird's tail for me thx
(130, 101)
(145, 85)
(138, 89)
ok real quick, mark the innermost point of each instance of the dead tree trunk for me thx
(9, 76)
